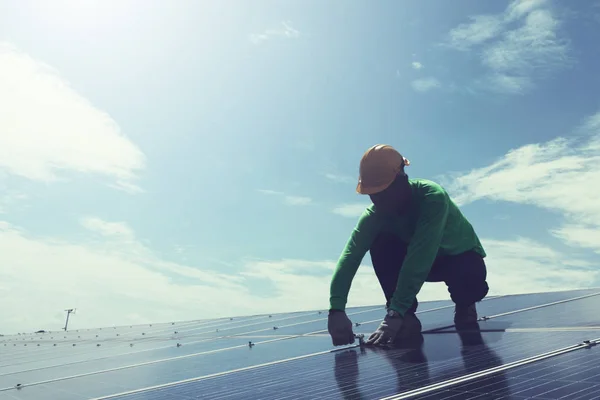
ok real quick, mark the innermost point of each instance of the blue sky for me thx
(199, 159)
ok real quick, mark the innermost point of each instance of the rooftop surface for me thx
(538, 346)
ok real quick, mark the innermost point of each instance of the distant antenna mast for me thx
(69, 311)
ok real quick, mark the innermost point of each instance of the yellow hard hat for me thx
(379, 167)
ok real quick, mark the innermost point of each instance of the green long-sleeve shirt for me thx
(434, 226)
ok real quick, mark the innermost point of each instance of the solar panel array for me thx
(526, 346)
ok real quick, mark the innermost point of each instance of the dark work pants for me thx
(464, 274)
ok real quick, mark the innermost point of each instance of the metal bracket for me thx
(589, 344)
(361, 339)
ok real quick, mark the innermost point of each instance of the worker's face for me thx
(394, 199)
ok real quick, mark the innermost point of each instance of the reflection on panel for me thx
(371, 373)
(570, 376)
(97, 362)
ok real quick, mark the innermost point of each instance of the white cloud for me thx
(481, 29)
(47, 128)
(512, 54)
(297, 200)
(118, 280)
(105, 228)
(592, 124)
(290, 200)
(532, 46)
(514, 266)
(526, 266)
(518, 9)
(425, 84)
(417, 65)
(507, 84)
(42, 277)
(270, 192)
(582, 235)
(340, 178)
(11, 199)
(350, 210)
(285, 31)
(558, 175)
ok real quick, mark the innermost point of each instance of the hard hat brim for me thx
(373, 189)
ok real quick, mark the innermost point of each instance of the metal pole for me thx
(67, 322)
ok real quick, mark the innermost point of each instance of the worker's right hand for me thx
(340, 328)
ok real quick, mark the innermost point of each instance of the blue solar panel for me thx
(492, 307)
(373, 373)
(571, 376)
(579, 313)
(183, 368)
(369, 314)
(139, 344)
(34, 375)
(142, 356)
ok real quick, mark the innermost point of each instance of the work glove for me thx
(340, 328)
(387, 330)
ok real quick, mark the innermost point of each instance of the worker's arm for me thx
(422, 250)
(357, 246)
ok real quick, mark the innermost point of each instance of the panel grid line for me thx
(334, 350)
(188, 356)
(490, 371)
(276, 338)
(196, 342)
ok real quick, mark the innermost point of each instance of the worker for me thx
(415, 233)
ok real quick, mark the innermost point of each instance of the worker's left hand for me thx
(387, 330)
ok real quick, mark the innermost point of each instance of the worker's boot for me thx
(410, 330)
(465, 316)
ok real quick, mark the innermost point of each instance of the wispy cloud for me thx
(591, 124)
(532, 46)
(82, 274)
(507, 84)
(425, 84)
(481, 29)
(353, 210)
(270, 192)
(417, 65)
(525, 266)
(291, 200)
(512, 53)
(285, 30)
(48, 130)
(147, 288)
(514, 266)
(107, 229)
(297, 200)
(150, 289)
(340, 178)
(558, 175)
(11, 199)
(520, 8)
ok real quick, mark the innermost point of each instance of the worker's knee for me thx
(467, 283)
(468, 294)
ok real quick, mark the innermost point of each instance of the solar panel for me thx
(374, 373)
(572, 376)
(580, 313)
(512, 306)
(363, 316)
(248, 358)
